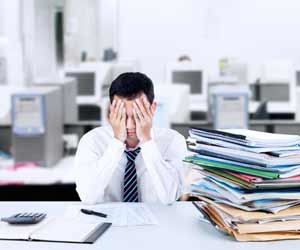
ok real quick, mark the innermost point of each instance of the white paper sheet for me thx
(119, 214)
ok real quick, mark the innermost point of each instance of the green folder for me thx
(208, 171)
(233, 167)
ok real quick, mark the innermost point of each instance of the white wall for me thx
(45, 60)
(156, 32)
(10, 41)
(108, 24)
(39, 39)
(81, 30)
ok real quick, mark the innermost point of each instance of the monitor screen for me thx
(86, 82)
(192, 77)
(298, 78)
(275, 92)
(27, 115)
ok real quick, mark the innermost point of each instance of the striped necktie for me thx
(130, 192)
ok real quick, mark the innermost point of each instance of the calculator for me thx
(24, 218)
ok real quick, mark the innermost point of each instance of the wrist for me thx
(145, 139)
(120, 138)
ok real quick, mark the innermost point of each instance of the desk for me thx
(80, 128)
(179, 228)
(44, 184)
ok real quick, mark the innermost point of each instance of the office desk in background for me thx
(179, 228)
(79, 128)
(271, 126)
(65, 191)
(42, 184)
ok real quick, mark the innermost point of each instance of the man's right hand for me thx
(117, 116)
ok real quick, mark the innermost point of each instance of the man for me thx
(130, 160)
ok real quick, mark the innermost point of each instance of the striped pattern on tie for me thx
(130, 192)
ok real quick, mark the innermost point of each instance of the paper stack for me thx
(251, 182)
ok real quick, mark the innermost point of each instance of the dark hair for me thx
(130, 85)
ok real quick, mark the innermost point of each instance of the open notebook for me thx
(58, 229)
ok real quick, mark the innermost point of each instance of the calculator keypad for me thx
(24, 218)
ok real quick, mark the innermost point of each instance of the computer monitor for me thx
(194, 76)
(230, 67)
(37, 125)
(229, 107)
(219, 81)
(177, 100)
(123, 66)
(278, 92)
(118, 68)
(277, 86)
(297, 76)
(280, 96)
(276, 71)
(90, 77)
(3, 70)
(69, 92)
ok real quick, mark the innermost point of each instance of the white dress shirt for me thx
(100, 163)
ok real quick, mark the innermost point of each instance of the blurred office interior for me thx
(214, 64)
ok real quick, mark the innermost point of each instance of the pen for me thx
(92, 212)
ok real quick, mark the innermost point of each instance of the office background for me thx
(226, 63)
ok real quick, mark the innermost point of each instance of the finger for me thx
(113, 109)
(136, 118)
(123, 115)
(111, 106)
(141, 107)
(138, 112)
(120, 110)
(147, 106)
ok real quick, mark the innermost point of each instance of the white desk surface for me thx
(179, 228)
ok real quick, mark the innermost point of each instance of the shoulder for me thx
(166, 132)
(169, 142)
(167, 135)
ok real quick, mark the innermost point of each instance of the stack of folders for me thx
(251, 182)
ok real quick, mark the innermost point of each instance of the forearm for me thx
(166, 175)
(94, 172)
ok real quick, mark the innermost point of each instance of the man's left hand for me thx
(143, 115)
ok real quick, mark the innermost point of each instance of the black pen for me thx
(92, 212)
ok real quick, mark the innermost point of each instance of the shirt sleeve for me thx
(166, 171)
(94, 167)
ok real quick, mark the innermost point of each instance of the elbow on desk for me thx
(168, 199)
(167, 202)
(86, 197)
(88, 200)
(172, 196)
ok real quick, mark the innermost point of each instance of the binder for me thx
(58, 229)
(220, 164)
